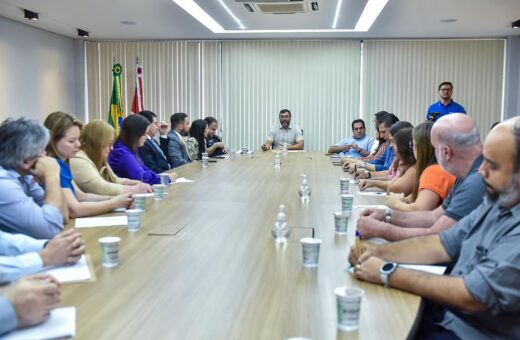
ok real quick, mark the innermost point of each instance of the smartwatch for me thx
(386, 270)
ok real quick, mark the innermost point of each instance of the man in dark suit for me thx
(151, 153)
(175, 146)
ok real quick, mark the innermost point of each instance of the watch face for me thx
(387, 267)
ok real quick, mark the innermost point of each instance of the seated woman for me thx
(432, 183)
(89, 166)
(197, 141)
(64, 144)
(124, 158)
(405, 170)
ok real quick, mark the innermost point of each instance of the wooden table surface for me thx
(221, 276)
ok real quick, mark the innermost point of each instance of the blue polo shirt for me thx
(385, 160)
(364, 143)
(438, 107)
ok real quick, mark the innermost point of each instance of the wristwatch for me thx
(388, 215)
(385, 271)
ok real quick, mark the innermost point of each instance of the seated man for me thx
(175, 146)
(214, 144)
(28, 302)
(25, 207)
(458, 149)
(151, 153)
(480, 299)
(22, 255)
(284, 133)
(387, 124)
(357, 146)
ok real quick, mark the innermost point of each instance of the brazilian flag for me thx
(115, 114)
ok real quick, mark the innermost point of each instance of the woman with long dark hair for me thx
(197, 140)
(124, 159)
(432, 183)
(404, 166)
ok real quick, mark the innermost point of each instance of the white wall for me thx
(512, 78)
(40, 72)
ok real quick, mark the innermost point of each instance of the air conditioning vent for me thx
(279, 6)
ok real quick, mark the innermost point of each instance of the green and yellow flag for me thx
(115, 114)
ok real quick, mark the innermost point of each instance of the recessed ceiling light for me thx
(336, 16)
(128, 22)
(29, 15)
(448, 21)
(370, 13)
(516, 24)
(232, 15)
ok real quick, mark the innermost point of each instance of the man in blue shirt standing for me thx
(445, 105)
(358, 145)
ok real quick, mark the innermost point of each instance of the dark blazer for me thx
(152, 158)
(175, 150)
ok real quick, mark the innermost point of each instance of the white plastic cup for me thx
(205, 160)
(109, 247)
(158, 191)
(341, 222)
(165, 179)
(134, 219)
(348, 302)
(310, 251)
(346, 203)
(232, 154)
(139, 201)
(343, 185)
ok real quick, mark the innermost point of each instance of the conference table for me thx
(205, 266)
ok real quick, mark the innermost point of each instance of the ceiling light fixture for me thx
(198, 13)
(336, 16)
(370, 13)
(30, 15)
(82, 33)
(232, 15)
(372, 10)
(516, 24)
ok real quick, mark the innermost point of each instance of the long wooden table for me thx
(221, 276)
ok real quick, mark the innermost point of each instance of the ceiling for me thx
(163, 19)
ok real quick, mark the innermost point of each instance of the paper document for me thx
(91, 222)
(183, 180)
(60, 324)
(439, 270)
(74, 273)
(296, 150)
(372, 193)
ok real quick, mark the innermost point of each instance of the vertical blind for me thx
(244, 84)
(403, 77)
(318, 81)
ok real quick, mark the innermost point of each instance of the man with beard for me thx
(446, 105)
(458, 150)
(284, 133)
(175, 146)
(480, 299)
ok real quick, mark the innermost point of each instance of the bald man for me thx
(458, 150)
(480, 299)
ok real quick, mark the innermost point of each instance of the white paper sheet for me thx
(74, 273)
(60, 324)
(296, 150)
(439, 270)
(183, 180)
(92, 222)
